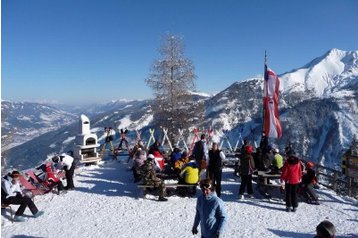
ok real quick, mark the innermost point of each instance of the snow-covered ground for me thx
(106, 203)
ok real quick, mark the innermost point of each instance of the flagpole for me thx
(263, 95)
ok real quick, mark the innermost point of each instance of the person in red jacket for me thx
(291, 176)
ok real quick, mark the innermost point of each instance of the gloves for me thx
(282, 189)
(194, 231)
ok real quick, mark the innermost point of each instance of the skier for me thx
(246, 169)
(210, 212)
(215, 167)
(66, 162)
(11, 193)
(290, 180)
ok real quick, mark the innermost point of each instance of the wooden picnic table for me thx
(263, 177)
(264, 187)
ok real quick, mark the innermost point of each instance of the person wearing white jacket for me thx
(11, 193)
(66, 162)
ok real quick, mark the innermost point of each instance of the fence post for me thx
(335, 177)
(350, 186)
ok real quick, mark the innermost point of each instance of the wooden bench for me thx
(143, 187)
(4, 206)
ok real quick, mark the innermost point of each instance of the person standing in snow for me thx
(11, 193)
(247, 167)
(66, 162)
(215, 166)
(200, 152)
(210, 212)
(277, 161)
(291, 178)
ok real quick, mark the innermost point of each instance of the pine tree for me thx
(172, 78)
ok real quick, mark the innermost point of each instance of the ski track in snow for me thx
(106, 203)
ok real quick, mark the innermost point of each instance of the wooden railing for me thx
(337, 181)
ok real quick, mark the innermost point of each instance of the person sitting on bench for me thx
(189, 175)
(11, 193)
(149, 177)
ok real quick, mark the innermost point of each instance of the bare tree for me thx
(172, 78)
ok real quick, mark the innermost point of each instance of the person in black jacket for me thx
(216, 158)
(309, 180)
(200, 152)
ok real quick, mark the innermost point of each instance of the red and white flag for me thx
(272, 125)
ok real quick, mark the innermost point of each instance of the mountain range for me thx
(318, 110)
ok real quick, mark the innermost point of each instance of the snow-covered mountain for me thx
(23, 121)
(318, 110)
(318, 107)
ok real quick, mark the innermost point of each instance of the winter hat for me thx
(205, 183)
(309, 165)
(150, 157)
(326, 229)
(56, 158)
(184, 154)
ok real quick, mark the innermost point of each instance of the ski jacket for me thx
(190, 174)
(215, 160)
(179, 164)
(309, 177)
(148, 174)
(211, 215)
(292, 171)
(66, 161)
(139, 161)
(277, 161)
(247, 164)
(8, 189)
(175, 156)
(51, 176)
(200, 151)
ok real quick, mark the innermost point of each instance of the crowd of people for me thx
(204, 168)
(295, 176)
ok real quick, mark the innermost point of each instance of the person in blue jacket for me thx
(210, 212)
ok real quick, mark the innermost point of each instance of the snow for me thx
(322, 74)
(68, 140)
(106, 203)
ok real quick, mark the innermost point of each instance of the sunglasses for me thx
(205, 186)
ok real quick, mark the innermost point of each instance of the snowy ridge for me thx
(323, 75)
(318, 110)
(106, 203)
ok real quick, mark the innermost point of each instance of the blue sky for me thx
(80, 51)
